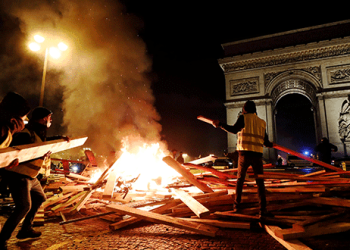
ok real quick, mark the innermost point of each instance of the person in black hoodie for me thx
(13, 112)
(25, 188)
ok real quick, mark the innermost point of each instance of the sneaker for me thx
(30, 233)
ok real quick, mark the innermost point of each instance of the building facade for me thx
(313, 62)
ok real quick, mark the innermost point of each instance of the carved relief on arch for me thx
(310, 74)
(294, 86)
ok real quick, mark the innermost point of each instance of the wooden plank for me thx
(204, 160)
(133, 220)
(35, 150)
(296, 233)
(77, 176)
(69, 202)
(77, 188)
(205, 119)
(321, 163)
(109, 187)
(83, 200)
(211, 170)
(85, 218)
(290, 245)
(200, 210)
(231, 215)
(330, 201)
(314, 173)
(167, 220)
(222, 224)
(55, 199)
(186, 174)
(305, 178)
(297, 190)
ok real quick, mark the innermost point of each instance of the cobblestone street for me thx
(95, 234)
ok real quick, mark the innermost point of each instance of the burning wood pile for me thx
(200, 199)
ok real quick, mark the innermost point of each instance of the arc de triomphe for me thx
(313, 62)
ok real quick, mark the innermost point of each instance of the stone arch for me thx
(304, 82)
(294, 86)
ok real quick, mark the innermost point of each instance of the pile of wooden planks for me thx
(303, 205)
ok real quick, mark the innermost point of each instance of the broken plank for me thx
(222, 224)
(77, 188)
(211, 170)
(109, 187)
(204, 160)
(330, 201)
(290, 245)
(167, 220)
(56, 199)
(304, 178)
(85, 218)
(297, 190)
(133, 220)
(321, 163)
(35, 150)
(186, 174)
(320, 172)
(296, 232)
(83, 200)
(69, 202)
(200, 210)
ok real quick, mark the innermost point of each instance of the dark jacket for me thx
(324, 150)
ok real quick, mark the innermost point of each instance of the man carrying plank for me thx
(25, 188)
(13, 112)
(251, 131)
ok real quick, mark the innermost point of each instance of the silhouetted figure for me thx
(325, 149)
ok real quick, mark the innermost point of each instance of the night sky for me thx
(182, 44)
(184, 39)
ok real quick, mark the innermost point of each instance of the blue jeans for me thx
(28, 196)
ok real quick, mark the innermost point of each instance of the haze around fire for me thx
(101, 84)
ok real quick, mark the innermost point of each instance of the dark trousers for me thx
(28, 196)
(246, 159)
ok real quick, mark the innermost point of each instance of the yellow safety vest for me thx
(251, 137)
(6, 143)
(34, 167)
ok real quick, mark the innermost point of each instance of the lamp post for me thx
(55, 52)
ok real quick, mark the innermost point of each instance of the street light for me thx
(54, 52)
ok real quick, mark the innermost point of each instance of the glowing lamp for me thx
(62, 46)
(34, 46)
(54, 52)
(39, 39)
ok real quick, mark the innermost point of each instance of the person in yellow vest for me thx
(251, 137)
(26, 190)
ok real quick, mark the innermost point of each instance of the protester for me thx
(251, 131)
(26, 190)
(324, 151)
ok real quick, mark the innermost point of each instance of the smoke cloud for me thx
(101, 82)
